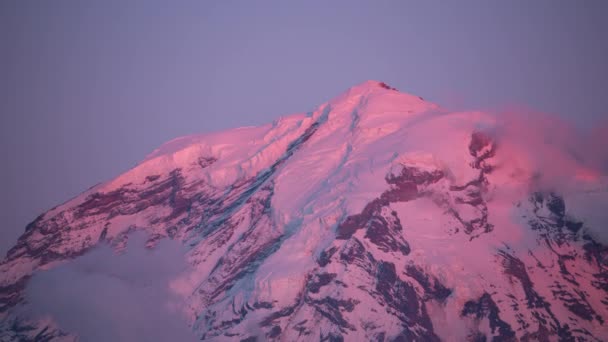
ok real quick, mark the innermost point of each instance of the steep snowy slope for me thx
(378, 216)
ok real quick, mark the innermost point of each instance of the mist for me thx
(110, 296)
(548, 153)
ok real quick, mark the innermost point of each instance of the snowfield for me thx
(376, 217)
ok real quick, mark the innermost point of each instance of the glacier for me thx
(378, 216)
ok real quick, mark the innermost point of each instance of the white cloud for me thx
(105, 296)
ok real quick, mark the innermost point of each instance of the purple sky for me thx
(87, 89)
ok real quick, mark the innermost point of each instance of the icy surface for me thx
(377, 216)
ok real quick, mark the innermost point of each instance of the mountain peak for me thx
(373, 84)
(368, 87)
(374, 217)
(381, 91)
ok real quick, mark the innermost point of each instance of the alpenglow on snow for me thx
(376, 217)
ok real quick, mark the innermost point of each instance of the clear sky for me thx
(87, 89)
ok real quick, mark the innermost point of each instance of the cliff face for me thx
(376, 217)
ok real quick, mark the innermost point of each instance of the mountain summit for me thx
(378, 216)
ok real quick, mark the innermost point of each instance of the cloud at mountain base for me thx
(105, 296)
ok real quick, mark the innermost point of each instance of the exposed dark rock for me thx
(332, 308)
(325, 256)
(541, 335)
(301, 328)
(596, 252)
(554, 224)
(485, 307)
(386, 86)
(331, 337)
(216, 217)
(274, 332)
(477, 337)
(25, 330)
(284, 312)
(517, 269)
(205, 162)
(404, 187)
(414, 175)
(556, 205)
(320, 280)
(127, 201)
(35, 223)
(353, 250)
(228, 271)
(401, 298)
(103, 233)
(401, 192)
(575, 301)
(573, 226)
(262, 305)
(385, 232)
(12, 294)
(542, 312)
(349, 226)
(482, 147)
(152, 178)
(432, 287)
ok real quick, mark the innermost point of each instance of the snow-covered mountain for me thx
(378, 216)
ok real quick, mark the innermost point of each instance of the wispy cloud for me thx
(554, 155)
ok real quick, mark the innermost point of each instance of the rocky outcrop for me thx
(466, 269)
